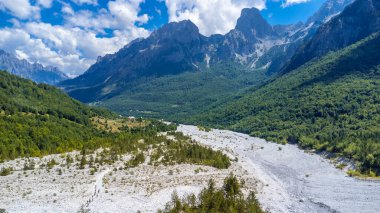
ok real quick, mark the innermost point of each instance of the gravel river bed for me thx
(292, 179)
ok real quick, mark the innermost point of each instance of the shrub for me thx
(5, 171)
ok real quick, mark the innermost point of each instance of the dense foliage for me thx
(227, 199)
(184, 151)
(178, 96)
(332, 104)
(37, 119)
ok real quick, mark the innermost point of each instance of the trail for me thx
(293, 180)
(96, 189)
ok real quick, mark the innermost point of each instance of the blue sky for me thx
(70, 34)
(275, 13)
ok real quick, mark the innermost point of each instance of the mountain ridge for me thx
(357, 21)
(36, 72)
(179, 47)
(173, 49)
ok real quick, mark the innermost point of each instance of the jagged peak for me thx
(185, 28)
(328, 9)
(252, 23)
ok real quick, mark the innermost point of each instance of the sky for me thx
(71, 34)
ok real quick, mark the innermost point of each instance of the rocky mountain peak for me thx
(252, 24)
(183, 31)
(357, 21)
(329, 9)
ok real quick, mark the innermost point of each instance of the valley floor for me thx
(144, 188)
(292, 179)
(285, 179)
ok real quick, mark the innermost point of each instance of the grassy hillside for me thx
(179, 96)
(328, 104)
(37, 119)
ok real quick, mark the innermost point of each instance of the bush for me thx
(136, 160)
(5, 171)
(227, 199)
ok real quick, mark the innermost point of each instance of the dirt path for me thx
(96, 189)
(292, 180)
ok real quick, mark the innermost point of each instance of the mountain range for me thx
(36, 72)
(179, 47)
(356, 22)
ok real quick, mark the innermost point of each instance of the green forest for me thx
(178, 96)
(329, 104)
(37, 119)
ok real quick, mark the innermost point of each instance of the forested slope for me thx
(37, 119)
(332, 104)
(176, 97)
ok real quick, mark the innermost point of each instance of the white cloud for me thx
(119, 15)
(74, 46)
(17, 41)
(288, 3)
(20, 8)
(126, 12)
(67, 9)
(21, 55)
(81, 2)
(211, 16)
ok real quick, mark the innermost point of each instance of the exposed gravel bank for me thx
(293, 180)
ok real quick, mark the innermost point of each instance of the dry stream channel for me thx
(292, 179)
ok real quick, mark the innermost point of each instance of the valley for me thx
(176, 97)
(190, 106)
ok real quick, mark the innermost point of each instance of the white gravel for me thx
(145, 188)
(293, 180)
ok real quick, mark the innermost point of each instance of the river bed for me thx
(292, 179)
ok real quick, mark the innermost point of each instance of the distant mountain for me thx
(298, 34)
(328, 10)
(328, 104)
(173, 49)
(35, 72)
(357, 21)
(177, 48)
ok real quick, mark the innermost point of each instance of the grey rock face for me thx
(179, 47)
(328, 10)
(252, 25)
(297, 35)
(172, 49)
(357, 21)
